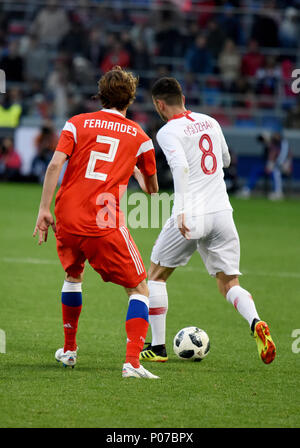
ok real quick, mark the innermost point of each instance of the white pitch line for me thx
(28, 261)
(275, 274)
(185, 268)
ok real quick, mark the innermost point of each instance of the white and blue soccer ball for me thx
(191, 343)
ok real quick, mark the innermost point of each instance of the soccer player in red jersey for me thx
(103, 149)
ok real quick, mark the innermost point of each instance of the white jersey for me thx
(196, 141)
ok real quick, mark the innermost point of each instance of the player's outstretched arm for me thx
(45, 218)
(148, 184)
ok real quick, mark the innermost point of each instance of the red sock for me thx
(136, 330)
(70, 320)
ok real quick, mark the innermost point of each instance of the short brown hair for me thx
(168, 90)
(117, 88)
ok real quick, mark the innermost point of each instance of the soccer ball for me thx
(191, 343)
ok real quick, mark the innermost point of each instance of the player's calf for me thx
(137, 323)
(71, 298)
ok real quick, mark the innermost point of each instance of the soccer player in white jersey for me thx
(201, 220)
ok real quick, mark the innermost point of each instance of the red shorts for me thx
(114, 256)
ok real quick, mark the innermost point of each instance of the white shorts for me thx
(214, 236)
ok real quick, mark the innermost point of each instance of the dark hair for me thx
(117, 88)
(168, 90)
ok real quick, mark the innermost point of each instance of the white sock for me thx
(158, 308)
(72, 286)
(243, 303)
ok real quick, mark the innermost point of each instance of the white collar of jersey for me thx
(112, 111)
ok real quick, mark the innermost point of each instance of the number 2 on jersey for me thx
(106, 157)
(207, 153)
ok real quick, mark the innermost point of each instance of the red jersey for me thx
(103, 148)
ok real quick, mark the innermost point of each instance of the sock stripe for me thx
(140, 297)
(157, 311)
(72, 286)
(71, 298)
(235, 302)
(137, 309)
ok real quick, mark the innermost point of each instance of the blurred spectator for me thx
(51, 24)
(58, 85)
(143, 32)
(210, 91)
(139, 115)
(229, 64)
(289, 29)
(267, 81)
(276, 162)
(82, 72)
(82, 14)
(38, 104)
(116, 55)
(3, 31)
(36, 60)
(293, 117)
(167, 32)
(141, 60)
(230, 24)
(265, 26)
(128, 45)
(119, 20)
(10, 161)
(198, 58)
(204, 15)
(95, 48)
(162, 70)
(74, 41)
(252, 59)
(279, 164)
(191, 89)
(245, 96)
(259, 169)
(45, 144)
(184, 5)
(231, 174)
(192, 32)
(215, 38)
(289, 97)
(12, 63)
(10, 109)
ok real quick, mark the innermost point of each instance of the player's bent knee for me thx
(159, 273)
(141, 288)
(226, 282)
(71, 279)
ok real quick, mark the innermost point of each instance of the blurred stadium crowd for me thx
(234, 60)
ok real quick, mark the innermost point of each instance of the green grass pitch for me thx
(230, 388)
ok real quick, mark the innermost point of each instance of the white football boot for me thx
(131, 372)
(67, 358)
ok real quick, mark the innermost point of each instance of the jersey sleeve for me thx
(67, 139)
(172, 149)
(146, 158)
(225, 151)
